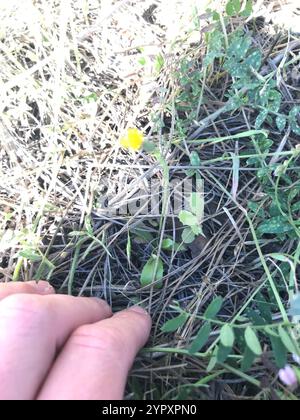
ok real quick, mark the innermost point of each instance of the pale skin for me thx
(63, 347)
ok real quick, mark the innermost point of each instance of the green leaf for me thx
(44, 270)
(175, 323)
(149, 146)
(213, 361)
(261, 118)
(197, 205)
(256, 208)
(279, 351)
(223, 353)
(77, 233)
(274, 210)
(270, 332)
(88, 225)
(275, 225)
(197, 230)
(210, 58)
(128, 247)
(264, 308)
(187, 218)
(287, 341)
(248, 359)
(213, 308)
(195, 159)
(254, 60)
(227, 336)
(188, 236)
(167, 244)
(252, 341)
(295, 306)
(229, 9)
(215, 42)
(264, 143)
(238, 47)
(233, 7)
(153, 271)
(296, 207)
(159, 63)
(201, 338)
(255, 317)
(293, 119)
(280, 257)
(31, 255)
(275, 100)
(142, 61)
(91, 98)
(242, 319)
(142, 235)
(248, 9)
(179, 247)
(294, 191)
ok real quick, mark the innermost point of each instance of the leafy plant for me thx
(152, 272)
(192, 220)
(243, 340)
(277, 213)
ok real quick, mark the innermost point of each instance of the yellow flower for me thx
(133, 140)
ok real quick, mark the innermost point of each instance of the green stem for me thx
(73, 268)
(241, 374)
(17, 269)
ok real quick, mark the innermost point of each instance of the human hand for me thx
(63, 347)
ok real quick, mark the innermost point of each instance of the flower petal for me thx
(133, 140)
(296, 359)
(288, 376)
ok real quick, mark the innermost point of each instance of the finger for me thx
(95, 361)
(28, 287)
(32, 329)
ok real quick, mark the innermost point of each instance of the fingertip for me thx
(137, 312)
(140, 311)
(98, 355)
(42, 287)
(104, 306)
(28, 287)
(140, 320)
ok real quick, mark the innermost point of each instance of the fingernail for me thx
(138, 310)
(43, 287)
(101, 303)
(96, 299)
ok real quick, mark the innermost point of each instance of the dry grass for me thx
(74, 75)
